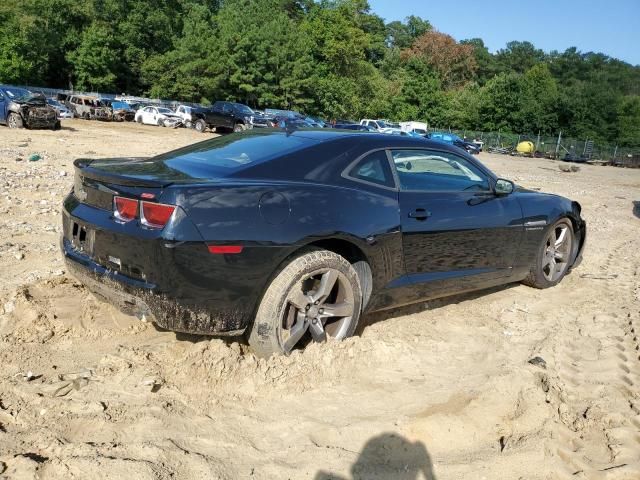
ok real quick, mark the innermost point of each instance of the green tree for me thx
(628, 126)
(96, 61)
(519, 57)
(402, 34)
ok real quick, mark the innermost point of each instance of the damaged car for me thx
(88, 108)
(122, 112)
(20, 108)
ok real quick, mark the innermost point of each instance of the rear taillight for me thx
(155, 215)
(125, 209)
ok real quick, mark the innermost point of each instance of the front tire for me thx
(200, 126)
(316, 296)
(554, 256)
(239, 127)
(14, 120)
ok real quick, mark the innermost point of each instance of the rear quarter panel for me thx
(273, 221)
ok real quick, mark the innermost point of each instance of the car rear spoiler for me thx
(83, 167)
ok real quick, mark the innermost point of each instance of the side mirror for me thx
(504, 187)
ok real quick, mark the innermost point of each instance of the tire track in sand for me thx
(595, 387)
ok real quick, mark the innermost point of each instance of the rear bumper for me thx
(142, 299)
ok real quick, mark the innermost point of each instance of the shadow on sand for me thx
(636, 208)
(390, 457)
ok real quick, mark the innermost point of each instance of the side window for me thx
(226, 108)
(373, 168)
(437, 171)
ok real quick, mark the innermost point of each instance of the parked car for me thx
(319, 123)
(122, 111)
(453, 139)
(416, 127)
(228, 115)
(262, 119)
(160, 116)
(380, 125)
(354, 126)
(186, 113)
(88, 108)
(61, 110)
(289, 236)
(19, 108)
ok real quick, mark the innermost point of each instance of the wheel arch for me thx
(343, 247)
(356, 257)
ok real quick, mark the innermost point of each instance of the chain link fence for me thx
(556, 147)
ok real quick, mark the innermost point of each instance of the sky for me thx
(609, 27)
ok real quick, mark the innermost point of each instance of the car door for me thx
(215, 116)
(147, 116)
(228, 115)
(457, 234)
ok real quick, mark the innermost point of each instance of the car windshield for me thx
(53, 102)
(17, 93)
(164, 110)
(243, 109)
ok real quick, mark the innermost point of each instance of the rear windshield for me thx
(228, 155)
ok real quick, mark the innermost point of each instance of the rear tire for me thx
(14, 120)
(239, 127)
(554, 256)
(296, 307)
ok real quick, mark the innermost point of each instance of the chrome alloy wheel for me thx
(321, 303)
(557, 253)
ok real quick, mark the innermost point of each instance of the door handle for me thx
(420, 214)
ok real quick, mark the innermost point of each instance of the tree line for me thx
(333, 58)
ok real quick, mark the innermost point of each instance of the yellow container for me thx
(525, 147)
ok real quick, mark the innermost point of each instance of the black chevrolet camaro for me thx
(289, 236)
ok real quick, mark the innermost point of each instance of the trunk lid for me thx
(96, 182)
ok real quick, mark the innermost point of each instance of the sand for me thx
(442, 389)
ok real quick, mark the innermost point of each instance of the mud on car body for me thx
(19, 108)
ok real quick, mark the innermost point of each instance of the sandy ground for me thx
(438, 390)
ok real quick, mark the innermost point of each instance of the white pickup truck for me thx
(414, 127)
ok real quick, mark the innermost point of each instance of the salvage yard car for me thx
(186, 114)
(61, 110)
(381, 126)
(160, 116)
(122, 111)
(88, 108)
(454, 139)
(290, 235)
(19, 108)
(225, 115)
